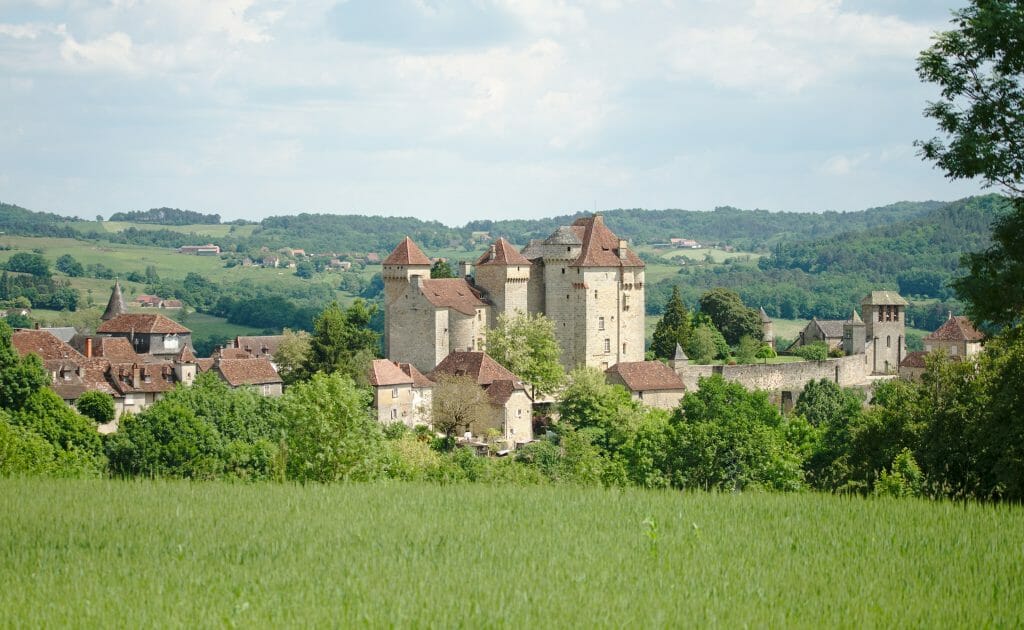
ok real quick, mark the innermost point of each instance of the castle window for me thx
(888, 341)
(625, 302)
(394, 392)
(394, 413)
(600, 323)
(881, 313)
(607, 345)
(563, 271)
(895, 313)
(595, 294)
(623, 348)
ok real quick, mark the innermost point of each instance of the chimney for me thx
(623, 248)
(465, 268)
(88, 347)
(493, 253)
(136, 374)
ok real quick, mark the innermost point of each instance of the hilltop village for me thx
(583, 278)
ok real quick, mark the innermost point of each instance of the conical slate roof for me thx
(764, 316)
(855, 318)
(116, 305)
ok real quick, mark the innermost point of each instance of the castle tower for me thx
(406, 261)
(768, 336)
(116, 305)
(884, 313)
(853, 335)
(185, 366)
(504, 274)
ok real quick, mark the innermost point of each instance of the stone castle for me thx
(590, 284)
(583, 277)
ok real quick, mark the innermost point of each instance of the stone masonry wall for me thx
(845, 371)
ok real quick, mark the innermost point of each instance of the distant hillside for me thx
(750, 230)
(23, 222)
(166, 216)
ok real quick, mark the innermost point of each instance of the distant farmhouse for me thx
(200, 250)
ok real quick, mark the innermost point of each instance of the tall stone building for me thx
(884, 314)
(583, 277)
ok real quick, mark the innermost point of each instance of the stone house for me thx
(829, 331)
(511, 406)
(583, 278)
(957, 336)
(149, 334)
(401, 393)
(257, 373)
(651, 382)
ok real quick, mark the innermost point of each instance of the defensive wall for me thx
(849, 371)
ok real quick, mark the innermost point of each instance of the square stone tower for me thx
(406, 261)
(884, 313)
(504, 274)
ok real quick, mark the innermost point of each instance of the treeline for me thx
(16, 220)
(27, 275)
(749, 230)
(167, 216)
(922, 255)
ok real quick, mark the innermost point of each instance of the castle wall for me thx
(535, 290)
(418, 331)
(465, 330)
(844, 371)
(562, 306)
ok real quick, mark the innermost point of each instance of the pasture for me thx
(164, 553)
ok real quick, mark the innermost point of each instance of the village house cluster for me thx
(139, 357)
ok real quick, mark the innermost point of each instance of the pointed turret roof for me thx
(680, 355)
(407, 253)
(764, 316)
(116, 305)
(855, 318)
(186, 356)
(502, 253)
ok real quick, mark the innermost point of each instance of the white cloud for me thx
(842, 165)
(112, 52)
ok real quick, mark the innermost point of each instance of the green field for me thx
(145, 554)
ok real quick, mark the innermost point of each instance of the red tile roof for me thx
(204, 365)
(455, 293)
(645, 376)
(114, 348)
(502, 253)
(142, 323)
(385, 373)
(914, 360)
(44, 344)
(601, 246)
(259, 344)
(476, 365)
(407, 253)
(186, 355)
(239, 372)
(956, 328)
(501, 390)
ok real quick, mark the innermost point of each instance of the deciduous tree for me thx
(526, 346)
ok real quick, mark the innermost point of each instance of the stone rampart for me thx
(792, 377)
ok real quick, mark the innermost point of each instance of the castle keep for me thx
(583, 277)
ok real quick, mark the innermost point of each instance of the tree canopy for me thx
(730, 316)
(526, 346)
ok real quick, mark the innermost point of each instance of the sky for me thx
(460, 110)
